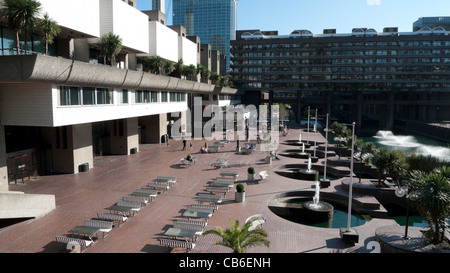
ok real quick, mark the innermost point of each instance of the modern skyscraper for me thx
(214, 21)
(159, 5)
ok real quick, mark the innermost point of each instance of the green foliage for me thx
(21, 16)
(251, 170)
(240, 239)
(240, 188)
(110, 46)
(49, 29)
(434, 198)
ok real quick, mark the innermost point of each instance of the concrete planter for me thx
(239, 197)
(251, 177)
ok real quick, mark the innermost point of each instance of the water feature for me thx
(410, 143)
(316, 197)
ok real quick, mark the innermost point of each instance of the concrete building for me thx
(378, 79)
(58, 112)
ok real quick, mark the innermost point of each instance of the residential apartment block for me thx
(377, 79)
(58, 111)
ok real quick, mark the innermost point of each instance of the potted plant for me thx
(240, 193)
(251, 174)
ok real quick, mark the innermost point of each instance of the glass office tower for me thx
(214, 21)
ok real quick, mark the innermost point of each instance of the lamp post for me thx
(307, 141)
(403, 192)
(324, 182)
(348, 234)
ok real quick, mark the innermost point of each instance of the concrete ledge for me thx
(391, 239)
(19, 205)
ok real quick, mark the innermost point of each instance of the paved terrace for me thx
(81, 196)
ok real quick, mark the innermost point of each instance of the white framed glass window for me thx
(69, 95)
(104, 96)
(88, 95)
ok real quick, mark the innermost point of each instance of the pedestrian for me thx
(190, 145)
(167, 140)
(184, 144)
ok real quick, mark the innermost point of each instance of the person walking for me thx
(184, 144)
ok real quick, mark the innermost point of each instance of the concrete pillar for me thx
(390, 110)
(71, 147)
(359, 109)
(124, 136)
(153, 127)
(299, 106)
(3, 166)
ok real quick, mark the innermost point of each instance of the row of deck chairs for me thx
(117, 214)
(194, 218)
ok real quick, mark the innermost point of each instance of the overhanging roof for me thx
(41, 68)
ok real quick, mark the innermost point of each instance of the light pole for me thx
(348, 234)
(307, 141)
(403, 192)
(324, 182)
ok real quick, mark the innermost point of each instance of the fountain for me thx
(308, 173)
(316, 210)
(409, 143)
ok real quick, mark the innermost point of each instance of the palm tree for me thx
(204, 73)
(21, 16)
(192, 72)
(110, 46)
(434, 198)
(155, 64)
(50, 30)
(380, 160)
(239, 239)
(178, 67)
(168, 67)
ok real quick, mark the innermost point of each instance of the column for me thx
(3, 166)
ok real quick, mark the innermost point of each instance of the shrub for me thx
(251, 170)
(240, 188)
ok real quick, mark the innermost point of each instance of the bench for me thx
(211, 206)
(135, 206)
(263, 175)
(186, 163)
(166, 179)
(213, 149)
(211, 198)
(199, 209)
(81, 242)
(258, 220)
(158, 186)
(219, 189)
(104, 226)
(197, 228)
(177, 244)
(141, 199)
(112, 217)
(192, 222)
(233, 174)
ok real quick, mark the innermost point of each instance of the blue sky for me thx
(342, 15)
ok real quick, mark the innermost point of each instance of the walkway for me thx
(81, 196)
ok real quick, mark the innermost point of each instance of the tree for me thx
(168, 67)
(155, 63)
(49, 29)
(380, 160)
(179, 67)
(110, 46)
(434, 198)
(239, 239)
(21, 16)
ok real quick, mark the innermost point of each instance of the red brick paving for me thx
(80, 196)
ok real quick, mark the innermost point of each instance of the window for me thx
(104, 96)
(69, 95)
(164, 97)
(122, 96)
(88, 95)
